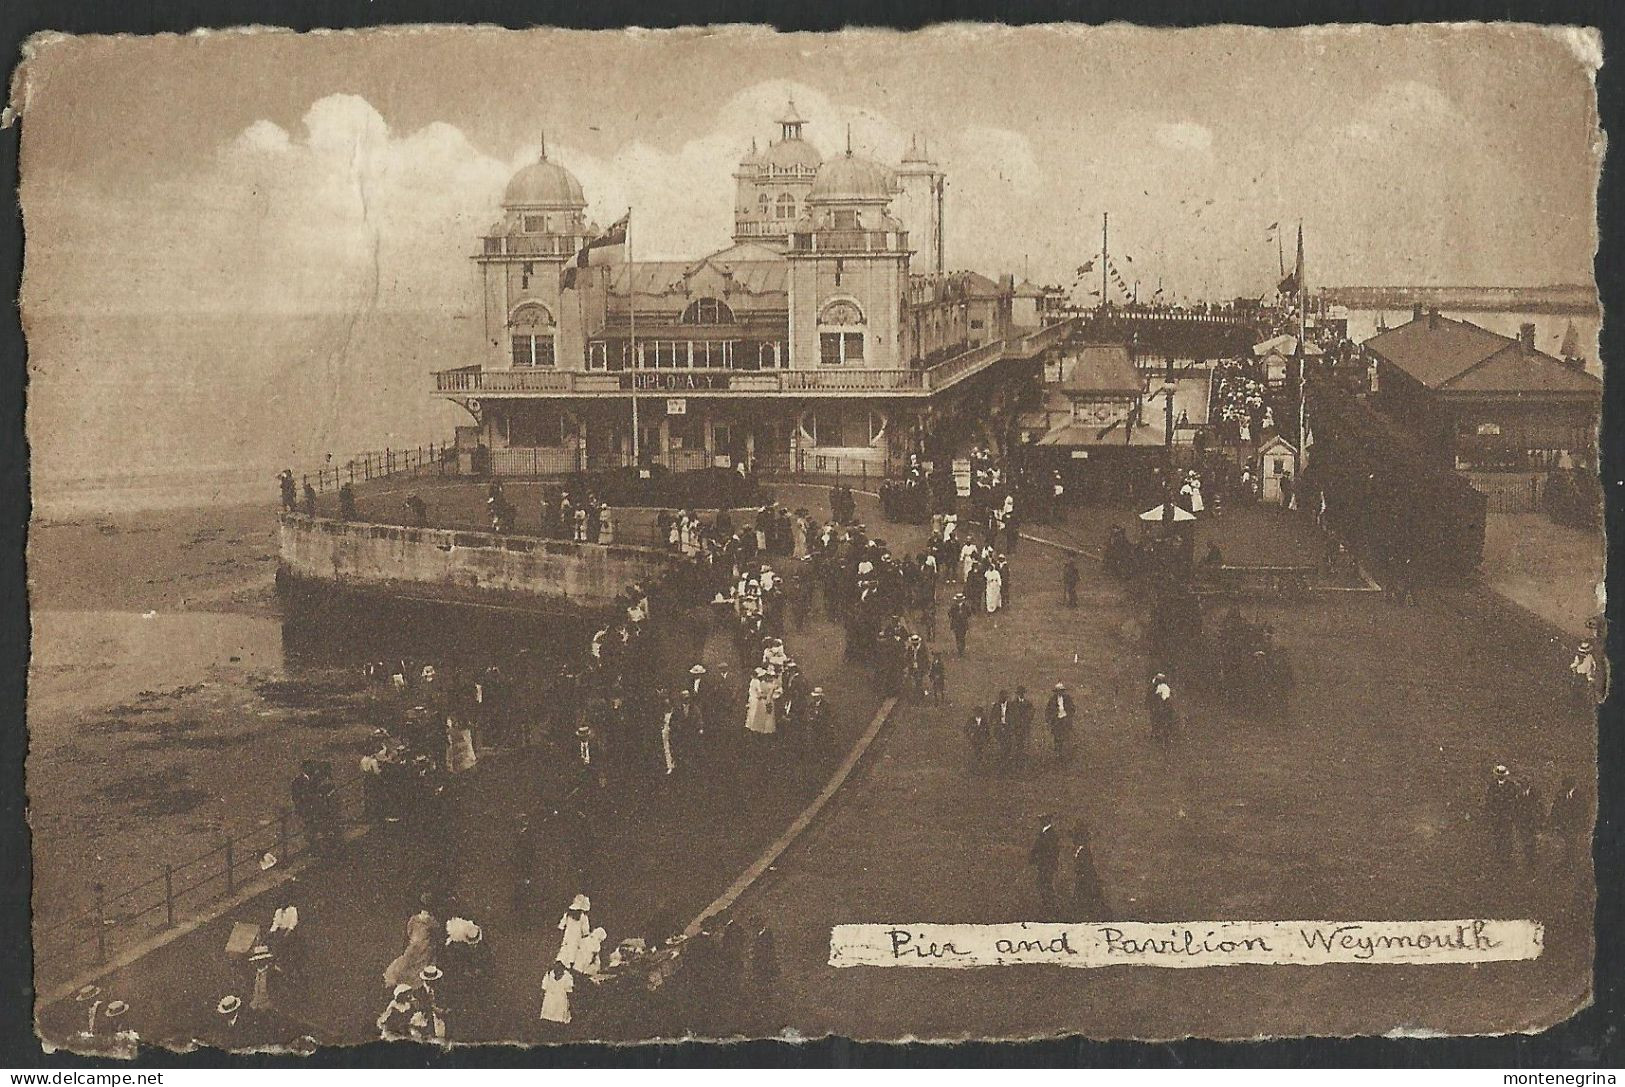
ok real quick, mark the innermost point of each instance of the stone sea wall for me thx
(459, 567)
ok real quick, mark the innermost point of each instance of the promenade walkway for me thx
(1360, 800)
(660, 856)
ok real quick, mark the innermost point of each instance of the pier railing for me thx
(434, 459)
(94, 933)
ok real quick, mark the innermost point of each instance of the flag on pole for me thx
(1272, 228)
(1298, 272)
(608, 248)
(1086, 267)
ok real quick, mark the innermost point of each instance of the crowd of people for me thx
(1238, 412)
(1517, 819)
(623, 728)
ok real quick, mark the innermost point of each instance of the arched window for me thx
(708, 311)
(764, 203)
(840, 334)
(531, 331)
(786, 208)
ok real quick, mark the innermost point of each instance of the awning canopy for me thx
(1285, 345)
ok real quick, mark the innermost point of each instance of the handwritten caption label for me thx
(1187, 943)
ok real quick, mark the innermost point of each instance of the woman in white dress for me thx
(759, 714)
(421, 930)
(460, 756)
(995, 590)
(592, 947)
(557, 984)
(575, 925)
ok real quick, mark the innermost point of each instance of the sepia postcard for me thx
(979, 533)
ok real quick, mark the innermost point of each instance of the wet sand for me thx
(160, 711)
(219, 558)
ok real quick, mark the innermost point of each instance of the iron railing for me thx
(95, 931)
(432, 459)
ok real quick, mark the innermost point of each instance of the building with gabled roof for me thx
(1478, 400)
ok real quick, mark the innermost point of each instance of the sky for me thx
(335, 173)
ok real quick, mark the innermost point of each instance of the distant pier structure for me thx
(1558, 298)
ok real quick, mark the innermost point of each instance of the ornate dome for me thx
(851, 178)
(545, 184)
(786, 154)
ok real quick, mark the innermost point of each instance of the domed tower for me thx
(771, 186)
(848, 270)
(919, 205)
(542, 227)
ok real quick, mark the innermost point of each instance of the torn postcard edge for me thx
(1187, 943)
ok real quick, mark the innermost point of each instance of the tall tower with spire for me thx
(921, 185)
(771, 185)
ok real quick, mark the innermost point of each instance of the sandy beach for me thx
(160, 689)
(220, 558)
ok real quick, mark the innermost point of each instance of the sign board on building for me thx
(1080, 454)
(676, 406)
(676, 380)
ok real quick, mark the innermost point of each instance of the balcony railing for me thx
(716, 381)
(533, 245)
(956, 369)
(505, 381)
(850, 241)
(771, 229)
(836, 379)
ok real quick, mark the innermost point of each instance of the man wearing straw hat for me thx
(1060, 714)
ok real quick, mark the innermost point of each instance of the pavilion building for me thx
(812, 339)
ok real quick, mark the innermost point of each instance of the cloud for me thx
(1185, 136)
(261, 138)
(343, 212)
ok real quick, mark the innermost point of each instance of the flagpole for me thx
(1105, 218)
(1303, 365)
(632, 318)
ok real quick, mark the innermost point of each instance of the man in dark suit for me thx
(1088, 893)
(1021, 717)
(959, 620)
(1004, 727)
(1060, 714)
(1045, 857)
